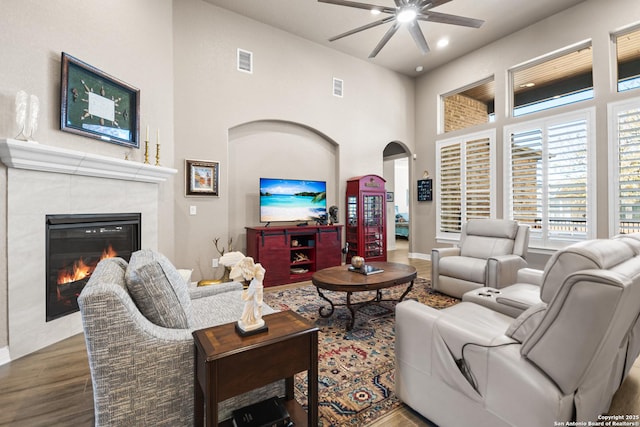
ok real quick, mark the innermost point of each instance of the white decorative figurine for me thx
(21, 113)
(251, 320)
(27, 127)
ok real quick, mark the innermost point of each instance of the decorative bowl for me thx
(357, 261)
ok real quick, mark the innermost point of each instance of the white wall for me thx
(401, 187)
(291, 83)
(592, 20)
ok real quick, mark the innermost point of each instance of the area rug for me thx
(356, 368)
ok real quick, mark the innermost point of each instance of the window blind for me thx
(526, 179)
(549, 178)
(478, 179)
(627, 123)
(567, 181)
(450, 188)
(464, 171)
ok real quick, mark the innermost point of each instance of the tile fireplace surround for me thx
(43, 180)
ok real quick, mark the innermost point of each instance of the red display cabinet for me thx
(366, 233)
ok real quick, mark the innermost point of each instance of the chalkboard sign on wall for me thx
(425, 193)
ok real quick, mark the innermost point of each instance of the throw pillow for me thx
(158, 290)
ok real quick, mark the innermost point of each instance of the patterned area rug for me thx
(355, 368)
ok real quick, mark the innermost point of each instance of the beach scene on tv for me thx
(292, 200)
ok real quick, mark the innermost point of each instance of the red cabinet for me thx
(366, 227)
(293, 254)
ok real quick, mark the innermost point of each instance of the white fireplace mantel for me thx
(34, 156)
(68, 182)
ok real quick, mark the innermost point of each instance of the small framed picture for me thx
(202, 178)
(389, 196)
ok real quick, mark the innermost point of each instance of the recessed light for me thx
(376, 11)
(443, 43)
(530, 84)
(419, 68)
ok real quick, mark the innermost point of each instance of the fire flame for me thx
(80, 269)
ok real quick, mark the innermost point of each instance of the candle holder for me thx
(146, 152)
(157, 154)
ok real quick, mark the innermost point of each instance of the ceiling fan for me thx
(405, 12)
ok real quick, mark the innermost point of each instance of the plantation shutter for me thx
(450, 186)
(628, 183)
(478, 179)
(549, 178)
(465, 182)
(567, 180)
(526, 179)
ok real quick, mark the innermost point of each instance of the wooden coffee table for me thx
(227, 364)
(340, 279)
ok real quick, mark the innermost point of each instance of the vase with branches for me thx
(222, 251)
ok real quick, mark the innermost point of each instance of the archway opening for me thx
(397, 172)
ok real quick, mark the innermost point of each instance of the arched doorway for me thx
(396, 172)
(279, 149)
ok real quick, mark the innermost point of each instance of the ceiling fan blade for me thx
(445, 18)
(418, 37)
(364, 27)
(430, 4)
(387, 36)
(365, 6)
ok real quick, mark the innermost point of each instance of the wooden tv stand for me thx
(293, 253)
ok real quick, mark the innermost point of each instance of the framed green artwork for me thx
(97, 105)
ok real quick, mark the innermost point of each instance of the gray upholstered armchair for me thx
(138, 321)
(490, 253)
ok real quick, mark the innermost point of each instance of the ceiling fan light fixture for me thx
(406, 14)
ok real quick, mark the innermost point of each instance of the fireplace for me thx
(74, 246)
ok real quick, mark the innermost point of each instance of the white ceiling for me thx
(320, 21)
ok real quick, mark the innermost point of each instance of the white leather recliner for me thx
(560, 360)
(534, 286)
(490, 253)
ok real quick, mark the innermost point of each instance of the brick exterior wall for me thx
(462, 112)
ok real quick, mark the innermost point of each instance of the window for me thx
(465, 184)
(557, 80)
(470, 106)
(628, 59)
(625, 166)
(550, 178)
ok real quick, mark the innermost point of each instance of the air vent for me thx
(245, 61)
(338, 87)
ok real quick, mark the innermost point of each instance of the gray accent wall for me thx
(280, 121)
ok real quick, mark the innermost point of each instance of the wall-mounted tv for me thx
(292, 200)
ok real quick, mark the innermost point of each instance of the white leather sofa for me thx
(490, 253)
(560, 360)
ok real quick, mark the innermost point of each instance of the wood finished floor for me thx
(52, 387)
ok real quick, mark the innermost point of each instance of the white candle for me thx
(158, 136)
(147, 133)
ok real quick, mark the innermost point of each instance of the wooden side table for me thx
(227, 364)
